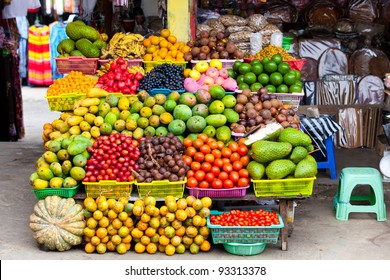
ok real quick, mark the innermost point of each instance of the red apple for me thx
(223, 72)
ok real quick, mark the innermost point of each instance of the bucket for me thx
(286, 43)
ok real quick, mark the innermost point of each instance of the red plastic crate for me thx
(76, 63)
(235, 192)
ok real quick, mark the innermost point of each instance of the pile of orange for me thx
(164, 47)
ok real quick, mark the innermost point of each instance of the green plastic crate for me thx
(62, 192)
(244, 234)
(161, 189)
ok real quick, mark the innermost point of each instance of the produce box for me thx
(108, 188)
(284, 187)
(77, 63)
(130, 61)
(165, 91)
(63, 102)
(226, 63)
(235, 192)
(244, 234)
(161, 189)
(62, 192)
(149, 65)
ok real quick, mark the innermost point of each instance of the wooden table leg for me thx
(284, 230)
(290, 216)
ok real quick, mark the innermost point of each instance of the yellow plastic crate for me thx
(161, 189)
(63, 102)
(149, 65)
(108, 188)
(284, 187)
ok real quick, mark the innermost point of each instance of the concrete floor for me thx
(317, 235)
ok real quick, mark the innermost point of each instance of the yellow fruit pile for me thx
(270, 50)
(164, 47)
(108, 225)
(74, 82)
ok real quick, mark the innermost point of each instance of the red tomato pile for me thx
(213, 165)
(119, 79)
(246, 218)
(113, 157)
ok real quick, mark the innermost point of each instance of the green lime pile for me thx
(274, 74)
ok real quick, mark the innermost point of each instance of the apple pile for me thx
(204, 75)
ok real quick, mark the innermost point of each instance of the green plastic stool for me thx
(350, 177)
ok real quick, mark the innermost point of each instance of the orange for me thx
(172, 39)
(174, 53)
(163, 52)
(147, 42)
(89, 248)
(148, 57)
(187, 72)
(157, 58)
(165, 33)
(205, 246)
(164, 43)
(151, 49)
(185, 49)
(154, 40)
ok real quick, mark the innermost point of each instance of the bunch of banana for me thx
(126, 45)
(136, 68)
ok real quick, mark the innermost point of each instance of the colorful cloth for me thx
(23, 29)
(39, 65)
(57, 34)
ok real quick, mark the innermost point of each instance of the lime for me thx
(270, 66)
(295, 88)
(250, 78)
(231, 73)
(270, 88)
(283, 68)
(240, 79)
(282, 88)
(298, 83)
(255, 61)
(257, 68)
(297, 73)
(277, 58)
(265, 59)
(256, 86)
(244, 68)
(236, 64)
(289, 78)
(276, 78)
(263, 79)
(243, 86)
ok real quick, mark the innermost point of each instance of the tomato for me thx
(226, 161)
(233, 146)
(246, 218)
(226, 152)
(190, 151)
(216, 153)
(228, 184)
(221, 145)
(187, 142)
(209, 177)
(204, 185)
(223, 176)
(205, 149)
(234, 177)
(245, 160)
(209, 158)
(197, 143)
(242, 182)
(187, 159)
(190, 173)
(243, 173)
(217, 184)
(215, 170)
(212, 143)
(192, 182)
(234, 157)
(242, 150)
(199, 175)
(237, 165)
(203, 137)
(218, 162)
(199, 157)
(195, 165)
(206, 166)
(227, 168)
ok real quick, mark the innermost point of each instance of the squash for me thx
(57, 223)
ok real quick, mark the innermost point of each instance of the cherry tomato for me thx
(190, 151)
(203, 137)
(223, 176)
(187, 142)
(242, 150)
(241, 142)
(234, 157)
(216, 153)
(204, 185)
(237, 165)
(228, 184)
(243, 173)
(233, 146)
(245, 160)
(199, 175)
(227, 168)
(242, 182)
(209, 158)
(197, 143)
(206, 166)
(199, 157)
(226, 152)
(217, 184)
(187, 159)
(215, 170)
(209, 177)
(218, 162)
(192, 182)
(190, 173)
(205, 149)
(213, 144)
(195, 165)
(234, 177)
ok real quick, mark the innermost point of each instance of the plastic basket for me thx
(161, 189)
(76, 63)
(62, 192)
(296, 64)
(165, 91)
(244, 249)
(130, 61)
(108, 188)
(235, 192)
(63, 102)
(149, 65)
(284, 187)
(226, 63)
(244, 234)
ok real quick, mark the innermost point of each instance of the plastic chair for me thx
(351, 177)
(329, 161)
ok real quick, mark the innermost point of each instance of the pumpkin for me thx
(57, 223)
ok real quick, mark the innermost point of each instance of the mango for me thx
(56, 182)
(94, 109)
(33, 176)
(216, 120)
(112, 99)
(76, 147)
(85, 126)
(105, 129)
(123, 103)
(223, 134)
(74, 120)
(54, 135)
(69, 182)
(86, 134)
(75, 130)
(110, 118)
(64, 127)
(80, 111)
(53, 146)
(39, 184)
(65, 115)
(119, 125)
(91, 101)
(65, 143)
(124, 114)
(79, 160)
(95, 132)
(66, 166)
(89, 118)
(50, 157)
(63, 155)
(77, 173)
(131, 124)
(56, 168)
(98, 121)
(45, 173)
(104, 108)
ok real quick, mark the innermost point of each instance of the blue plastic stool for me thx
(330, 161)
(350, 177)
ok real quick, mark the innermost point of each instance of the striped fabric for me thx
(319, 129)
(39, 66)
